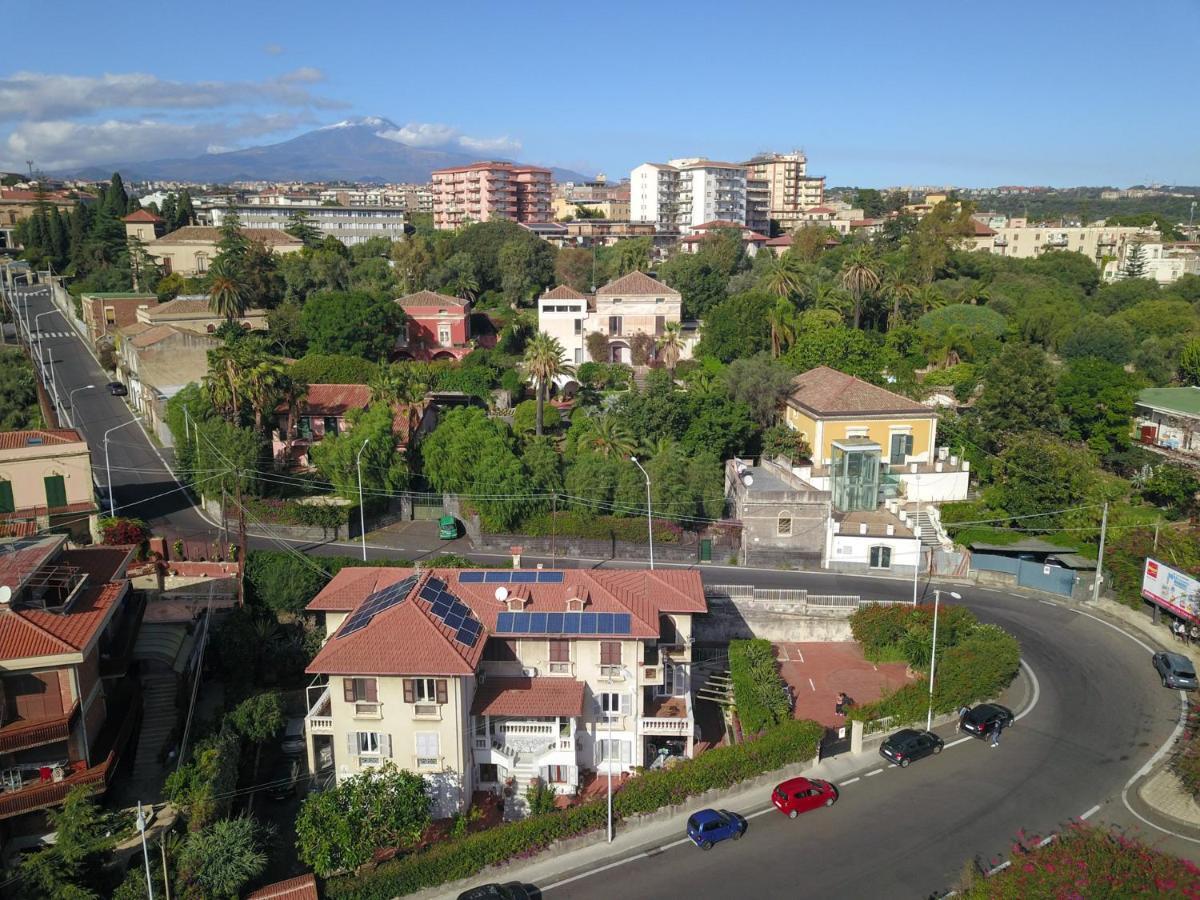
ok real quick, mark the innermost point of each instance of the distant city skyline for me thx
(876, 94)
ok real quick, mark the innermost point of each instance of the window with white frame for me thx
(613, 751)
(611, 705)
(428, 750)
(370, 744)
(881, 557)
(783, 527)
(424, 690)
(444, 335)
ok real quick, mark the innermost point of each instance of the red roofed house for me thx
(438, 327)
(751, 239)
(46, 481)
(636, 303)
(67, 624)
(322, 411)
(144, 226)
(477, 679)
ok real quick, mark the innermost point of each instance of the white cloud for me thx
(440, 136)
(33, 96)
(61, 145)
(272, 49)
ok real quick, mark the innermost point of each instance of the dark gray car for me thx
(1175, 670)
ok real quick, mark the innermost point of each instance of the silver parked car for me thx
(1175, 670)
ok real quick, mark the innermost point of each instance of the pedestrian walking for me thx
(996, 729)
(962, 714)
(1177, 630)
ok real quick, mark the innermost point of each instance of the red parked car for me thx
(797, 795)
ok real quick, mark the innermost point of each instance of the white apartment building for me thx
(349, 224)
(563, 314)
(685, 193)
(487, 680)
(1165, 262)
(1023, 240)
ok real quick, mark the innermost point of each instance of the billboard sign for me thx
(1171, 589)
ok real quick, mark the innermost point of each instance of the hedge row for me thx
(759, 693)
(456, 858)
(982, 662)
(586, 524)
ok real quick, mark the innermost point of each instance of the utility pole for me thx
(1100, 556)
(553, 529)
(241, 540)
(1156, 524)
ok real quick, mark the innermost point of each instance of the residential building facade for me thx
(563, 314)
(490, 190)
(1164, 262)
(349, 224)
(781, 190)
(503, 676)
(194, 313)
(1170, 418)
(437, 327)
(45, 482)
(1023, 240)
(322, 412)
(752, 240)
(155, 362)
(67, 625)
(16, 205)
(143, 225)
(191, 250)
(635, 304)
(105, 313)
(686, 193)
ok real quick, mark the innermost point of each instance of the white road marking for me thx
(783, 657)
(1037, 692)
(891, 765)
(1047, 839)
(1091, 812)
(761, 812)
(801, 655)
(1047, 602)
(876, 772)
(961, 740)
(811, 685)
(1000, 868)
(849, 781)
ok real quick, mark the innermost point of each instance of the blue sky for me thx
(877, 93)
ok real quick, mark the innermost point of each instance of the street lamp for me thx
(141, 827)
(609, 716)
(38, 328)
(916, 523)
(933, 652)
(48, 357)
(71, 400)
(108, 468)
(362, 519)
(649, 512)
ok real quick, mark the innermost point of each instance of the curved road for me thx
(909, 832)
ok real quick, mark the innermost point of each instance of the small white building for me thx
(563, 314)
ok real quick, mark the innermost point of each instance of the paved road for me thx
(908, 832)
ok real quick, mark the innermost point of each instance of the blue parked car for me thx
(710, 826)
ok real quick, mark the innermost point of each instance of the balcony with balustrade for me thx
(534, 741)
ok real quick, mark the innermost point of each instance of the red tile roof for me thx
(426, 299)
(827, 392)
(719, 223)
(784, 240)
(16, 440)
(636, 283)
(302, 887)
(562, 292)
(981, 230)
(335, 399)
(529, 697)
(28, 632)
(408, 640)
(142, 215)
(19, 559)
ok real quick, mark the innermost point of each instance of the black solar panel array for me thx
(508, 576)
(447, 607)
(381, 600)
(590, 623)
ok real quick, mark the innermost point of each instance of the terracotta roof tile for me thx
(26, 632)
(563, 292)
(335, 399)
(154, 335)
(142, 215)
(828, 392)
(529, 697)
(203, 234)
(15, 440)
(784, 240)
(430, 298)
(302, 887)
(636, 283)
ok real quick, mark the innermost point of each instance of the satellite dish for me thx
(502, 593)
(741, 468)
(5, 593)
(747, 480)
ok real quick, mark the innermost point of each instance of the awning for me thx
(529, 697)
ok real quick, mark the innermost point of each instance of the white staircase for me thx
(931, 535)
(524, 770)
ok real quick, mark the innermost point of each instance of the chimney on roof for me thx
(516, 556)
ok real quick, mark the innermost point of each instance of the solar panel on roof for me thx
(524, 577)
(496, 577)
(470, 577)
(441, 607)
(549, 577)
(587, 623)
(537, 623)
(376, 603)
(468, 633)
(521, 622)
(571, 623)
(454, 619)
(504, 622)
(430, 593)
(622, 623)
(604, 623)
(554, 623)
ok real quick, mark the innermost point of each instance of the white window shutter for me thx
(573, 775)
(352, 743)
(545, 773)
(626, 704)
(626, 752)
(385, 745)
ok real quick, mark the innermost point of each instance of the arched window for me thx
(783, 525)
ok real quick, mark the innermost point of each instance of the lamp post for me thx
(933, 652)
(38, 329)
(48, 358)
(917, 563)
(625, 672)
(362, 519)
(108, 468)
(141, 827)
(71, 399)
(649, 512)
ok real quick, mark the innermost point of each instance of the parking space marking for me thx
(1047, 602)
(961, 740)
(1095, 809)
(799, 654)
(876, 772)
(811, 685)
(850, 781)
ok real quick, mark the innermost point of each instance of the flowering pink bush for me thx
(1086, 863)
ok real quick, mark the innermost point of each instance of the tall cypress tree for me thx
(56, 233)
(169, 215)
(116, 200)
(77, 233)
(186, 214)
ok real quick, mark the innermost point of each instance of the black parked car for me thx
(982, 720)
(908, 744)
(1175, 670)
(513, 890)
(285, 778)
(117, 389)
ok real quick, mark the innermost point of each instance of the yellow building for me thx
(45, 481)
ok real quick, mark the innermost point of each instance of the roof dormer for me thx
(577, 598)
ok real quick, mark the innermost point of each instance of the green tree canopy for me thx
(761, 384)
(1018, 395)
(384, 470)
(737, 327)
(1040, 473)
(333, 368)
(1109, 339)
(1097, 397)
(224, 857)
(353, 323)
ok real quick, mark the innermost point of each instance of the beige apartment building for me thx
(563, 208)
(45, 481)
(502, 677)
(779, 189)
(1023, 240)
(563, 314)
(191, 250)
(490, 190)
(634, 304)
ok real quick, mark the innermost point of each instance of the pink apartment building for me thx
(490, 190)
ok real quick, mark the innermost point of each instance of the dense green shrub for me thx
(277, 580)
(582, 524)
(449, 860)
(758, 690)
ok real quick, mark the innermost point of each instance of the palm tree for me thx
(784, 276)
(465, 286)
(670, 345)
(900, 291)
(265, 385)
(928, 298)
(859, 277)
(609, 436)
(543, 363)
(782, 319)
(225, 381)
(226, 293)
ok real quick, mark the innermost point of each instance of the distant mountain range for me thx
(353, 150)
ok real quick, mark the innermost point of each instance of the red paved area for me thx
(818, 672)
